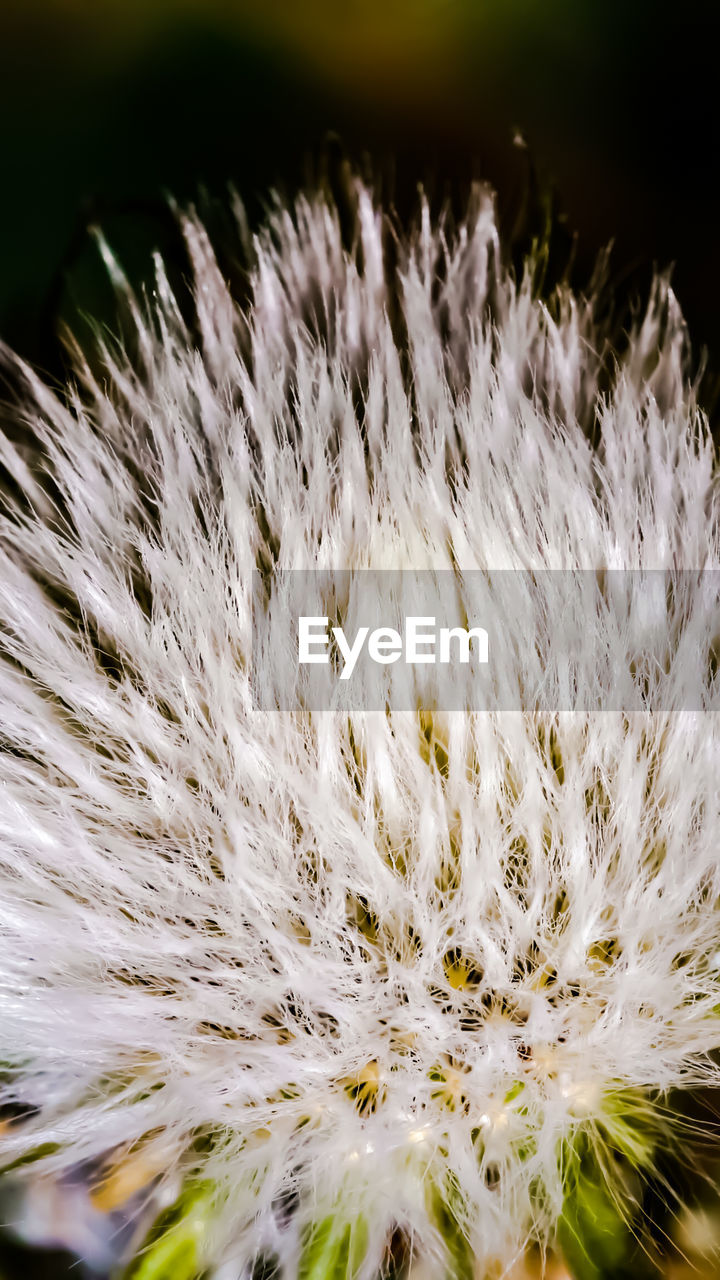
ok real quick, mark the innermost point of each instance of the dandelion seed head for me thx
(344, 960)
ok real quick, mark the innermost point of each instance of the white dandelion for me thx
(314, 987)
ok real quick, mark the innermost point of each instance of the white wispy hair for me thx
(382, 966)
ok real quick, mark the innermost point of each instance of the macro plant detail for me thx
(322, 996)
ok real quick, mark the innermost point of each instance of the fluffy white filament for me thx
(347, 960)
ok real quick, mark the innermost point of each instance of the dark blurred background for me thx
(106, 106)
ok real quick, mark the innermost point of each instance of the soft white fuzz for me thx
(365, 964)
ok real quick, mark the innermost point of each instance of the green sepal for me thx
(444, 1206)
(592, 1232)
(627, 1125)
(174, 1250)
(40, 1152)
(333, 1249)
(595, 1231)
